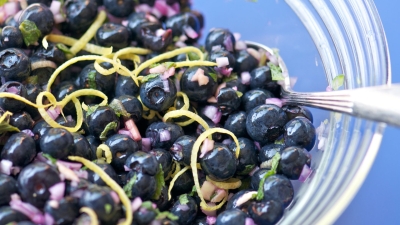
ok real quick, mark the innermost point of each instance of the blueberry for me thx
(113, 35)
(90, 78)
(121, 147)
(299, 132)
(34, 182)
(261, 78)
(164, 159)
(228, 100)
(8, 186)
(185, 216)
(268, 212)
(195, 91)
(132, 106)
(41, 15)
(236, 123)
(125, 86)
(266, 154)
(93, 142)
(144, 216)
(265, 123)
(144, 185)
(95, 178)
(257, 177)
(292, 162)
(157, 94)
(279, 188)
(9, 215)
(52, 53)
(139, 20)
(234, 200)
(45, 2)
(181, 150)
(156, 41)
(231, 217)
(22, 120)
(218, 53)
(163, 203)
(158, 131)
(80, 15)
(181, 23)
(254, 98)
(221, 37)
(61, 91)
(245, 62)
(248, 156)
(142, 162)
(64, 211)
(293, 111)
(119, 8)
(41, 73)
(183, 184)
(11, 37)
(99, 119)
(219, 163)
(20, 149)
(59, 137)
(82, 147)
(14, 65)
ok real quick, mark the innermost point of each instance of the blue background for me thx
(377, 200)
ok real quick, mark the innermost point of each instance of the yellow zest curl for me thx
(194, 63)
(90, 212)
(111, 183)
(171, 184)
(231, 183)
(107, 153)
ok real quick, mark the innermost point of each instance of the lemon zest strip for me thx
(90, 212)
(171, 184)
(107, 153)
(231, 183)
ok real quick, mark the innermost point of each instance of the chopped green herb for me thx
(279, 141)
(6, 127)
(246, 182)
(107, 208)
(119, 108)
(147, 205)
(175, 39)
(193, 56)
(128, 187)
(183, 199)
(233, 76)
(239, 94)
(248, 169)
(338, 82)
(149, 77)
(110, 126)
(154, 65)
(213, 76)
(166, 214)
(63, 48)
(276, 72)
(91, 109)
(194, 191)
(275, 51)
(30, 32)
(169, 64)
(49, 157)
(32, 79)
(160, 183)
(275, 163)
(2, 2)
(92, 80)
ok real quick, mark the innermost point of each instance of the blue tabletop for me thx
(376, 201)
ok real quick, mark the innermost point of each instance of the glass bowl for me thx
(318, 40)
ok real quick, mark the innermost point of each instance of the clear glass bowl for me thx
(319, 39)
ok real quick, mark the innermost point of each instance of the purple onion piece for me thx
(210, 111)
(70, 165)
(127, 169)
(146, 144)
(166, 85)
(57, 191)
(249, 221)
(13, 90)
(276, 101)
(183, 207)
(255, 169)
(136, 203)
(257, 145)
(217, 117)
(115, 197)
(28, 210)
(228, 43)
(211, 220)
(5, 166)
(190, 32)
(305, 173)
(227, 141)
(28, 132)
(165, 135)
(49, 220)
(245, 77)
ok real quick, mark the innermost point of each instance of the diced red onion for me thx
(15, 197)
(127, 169)
(28, 210)
(124, 23)
(8, 9)
(168, 73)
(82, 174)
(54, 204)
(227, 141)
(16, 15)
(151, 18)
(200, 77)
(71, 165)
(171, 11)
(166, 85)
(77, 193)
(272, 58)
(190, 32)
(305, 173)
(180, 44)
(142, 8)
(222, 85)
(235, 88)
(15, 170)
(237, 36)
(257, 145)
(146, 144)
(211, 220)
(13, 90)
(245, 77)
(156, 12)
(255, 169)
(329, 88)
(57, 191)
(6, 39)
(126, 132)
(210, 213)
(55, 7)
(131, 126)
(249, 221)
(240, 45)
(207, 146)
(183, 38)
(210, 111)
(224, 71)
(254, 53)
(230, 196)
(217, 117)
(69, 118)
(136, 203)
(162, 7)
(245, 198)
(154, 205)
(154, 222)
(67, 172)
(212, 99)
(183, 207)
(28, 132)
(49, 220)
(176, 7)
(165, 135)
(219, 195)
(275, 101)
(216, 48)
(58, 18)
(158, 69)
(115, 197)
(207, 189)
(228, 43)
(54, 112)
(160, 32)
(5, 166)
(222, 61)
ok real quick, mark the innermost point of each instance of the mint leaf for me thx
(2, 2)
(107, 208)
(166, 214)
(276, 72)
(183, 199)
(239, 94)
(91, 109)
(63, 48)
(6, 127)
(233, 76)
(147, 205)
(30, 32)
(194, 191)
(169, 64)
(160, 183)
(119, 108)
(110, 126)
(49, 157)
(128, 187)
(274, 167)
(92, 80)
(193, 56)
(149, 77)
(32, 79)
(338, 82)
(247, 169)
(280, 141)
(213, 76)
(154, 65)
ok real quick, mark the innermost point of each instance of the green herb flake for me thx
(110, 126)
(147, 205)
(274, 167)
(166, 214)
(2, 2)
(276, 72)
(63, 48)
(92, 79)
(169, 64)
(338, 82)
(160, 183)
(239, 94)
(183, 199)
(175, 39)
(193, 56)
(213, 76)
(154, 65)
(128, 187)
(279, 141)
(49, 157)
(232, 77)
(30, 32)
(194, 191)
(248, 169)
(6, 127)
(149, 77)
(107, 208)
(32, 79)
(91, 109)
(119, 108)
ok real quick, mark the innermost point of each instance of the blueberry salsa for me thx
(112, 112)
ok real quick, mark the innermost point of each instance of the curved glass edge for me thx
(350, 39)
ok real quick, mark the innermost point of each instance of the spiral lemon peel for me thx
(91, 213)
(179, 113)
(194, 63)
(107, 153)
(171, 184)
(19, 98)
(111, 183)
(231, 183)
